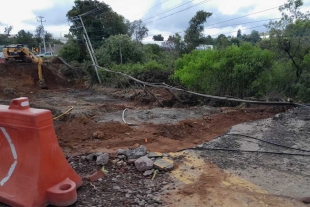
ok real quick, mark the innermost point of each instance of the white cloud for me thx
(132, 9)
(15, 13)
(135, 9)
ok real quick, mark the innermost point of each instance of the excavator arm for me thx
(38, 60)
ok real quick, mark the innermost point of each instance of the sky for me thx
(164, 17)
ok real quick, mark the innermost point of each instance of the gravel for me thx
(123, 186)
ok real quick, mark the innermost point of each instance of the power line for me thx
(100, 38)
(228, 25)
(151, 8)
(202, 2)
(234, 18)
(244, 16)
(177, 6)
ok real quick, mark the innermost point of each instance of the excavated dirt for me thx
(23, 77)
(86, 135)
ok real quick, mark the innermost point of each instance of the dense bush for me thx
(231, 71)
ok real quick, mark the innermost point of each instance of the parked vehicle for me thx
(47, 54)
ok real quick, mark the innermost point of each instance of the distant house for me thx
(204, 47)
(264, 35)
(159, 43)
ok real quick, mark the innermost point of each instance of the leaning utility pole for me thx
(90, 48)
(40, 17)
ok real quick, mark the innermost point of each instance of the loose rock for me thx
(148, 172)
(154, 154)
(133, 153)
(164, 164)
(102, 159)
(144, 163)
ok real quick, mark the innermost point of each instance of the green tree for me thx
(158, 38)
(222, 42)
(253, 38)
(290, 35)
(138, 30)
(39, 34)
(194, 33)
(72, 51)
(179, 44)
(26, 38)
(235, 41)
(4, 40)
(99, 25)
(8, 30)
(120, 49)
(239, 35)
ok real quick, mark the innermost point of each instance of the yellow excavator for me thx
(20, 53)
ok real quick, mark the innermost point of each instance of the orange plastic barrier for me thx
(33, 170)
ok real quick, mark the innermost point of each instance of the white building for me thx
(204, 47)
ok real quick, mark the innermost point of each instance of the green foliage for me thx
(253, 38)
(71, 51)
(134, 69)
(239, 35)
(290, 35)
(8, 29)
(194, 33)
(4, 40)
(151, 71)
(120, 49)
(275, 83)
(99, 26)
(158, 38)
(222, 42)
(229, 71)
(24, 37)
(138, 29)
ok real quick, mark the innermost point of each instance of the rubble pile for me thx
(134, 176)
(148, 163)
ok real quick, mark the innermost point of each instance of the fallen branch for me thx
(149, 91)
(174, 95)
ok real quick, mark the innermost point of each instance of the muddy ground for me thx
(96, 124)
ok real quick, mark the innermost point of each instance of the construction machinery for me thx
(20, 53)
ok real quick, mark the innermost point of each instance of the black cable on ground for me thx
(272, 143)
(246, 151)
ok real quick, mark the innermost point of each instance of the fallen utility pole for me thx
(90, 49)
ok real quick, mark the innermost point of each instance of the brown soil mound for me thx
(89, 136)
(23, 77)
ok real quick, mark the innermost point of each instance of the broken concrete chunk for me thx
(154, 154)
(148, 172)
(102, 159)
(133, 153)
(164, 164)
(144, 163)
